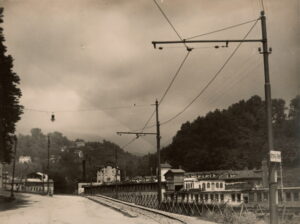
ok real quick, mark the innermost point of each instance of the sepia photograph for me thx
(149, 111)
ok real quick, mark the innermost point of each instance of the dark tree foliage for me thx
(10, 110)
(235, 138)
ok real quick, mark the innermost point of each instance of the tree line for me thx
(236, 137)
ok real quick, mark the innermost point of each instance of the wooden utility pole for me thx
(14, 167)
(158, 173)
(116, 166)
(158, 153)
(83, 171)
(48, 166)
(273, 202)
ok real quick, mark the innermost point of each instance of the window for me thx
(296, 196)
(280, 196)
(238, 196)
(221, 185)
(203, 186)
(217, 185)
(222, 197)
(216, 197)
(211, 197)
(251, 197)
(288, 196)
(259, 196)
(201, 197)
(208, 185)
(206, 197)
(232, 197)
(265, 195)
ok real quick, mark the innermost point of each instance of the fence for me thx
(187, 204)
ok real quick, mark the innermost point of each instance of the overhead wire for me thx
(238, 81)
(84, 110)
(128, 143)
(168, 20)
(213, 78)
(222, 29)
(233, 76)
(177, 72)
(262, 5)
(242, 74)
(174, 77)
(167, 90)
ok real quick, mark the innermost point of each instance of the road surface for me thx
(37, 209)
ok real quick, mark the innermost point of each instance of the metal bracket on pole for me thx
(267, 52)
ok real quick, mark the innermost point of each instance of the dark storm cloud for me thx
(80, 54)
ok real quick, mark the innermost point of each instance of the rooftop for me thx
(165, 165)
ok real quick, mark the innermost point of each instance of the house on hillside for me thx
(24, 159)
(79, 143)
(108, 174)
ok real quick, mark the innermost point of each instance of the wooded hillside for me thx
(235, 138)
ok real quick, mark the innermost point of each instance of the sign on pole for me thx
(275, 156)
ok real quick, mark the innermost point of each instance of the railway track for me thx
(132, 210)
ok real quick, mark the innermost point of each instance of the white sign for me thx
(275, 156)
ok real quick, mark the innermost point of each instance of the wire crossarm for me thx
(138, 134)
(155, 43)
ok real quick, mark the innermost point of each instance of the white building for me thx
(79, 143)
(204, 185)
(1, 175)
(164, 168)
(108, 174)
(24, 159)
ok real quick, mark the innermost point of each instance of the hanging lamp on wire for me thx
(52, 117)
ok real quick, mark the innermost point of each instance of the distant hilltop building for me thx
(24, 159)
(79, 143)
(108, 174)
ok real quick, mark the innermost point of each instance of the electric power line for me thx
(167, 19)
(167, 90)
(128, 143)
(262, 5)
(174, 77)
(233, 76)
(222, 29)
(213, 78)
(85, 110)
(177, 72)
(238, 81)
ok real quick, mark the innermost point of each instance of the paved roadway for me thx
(36, 209)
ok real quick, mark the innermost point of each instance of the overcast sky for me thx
(74, 55)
